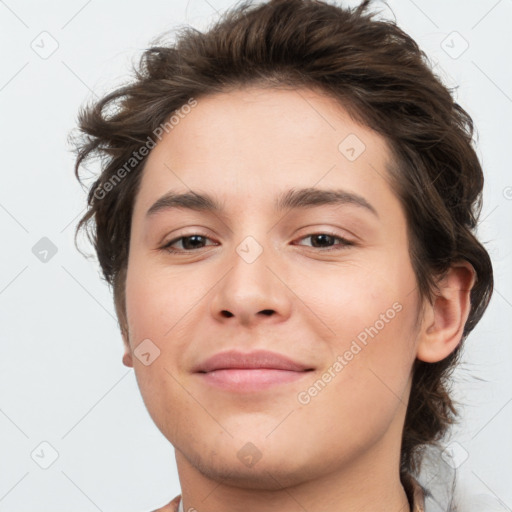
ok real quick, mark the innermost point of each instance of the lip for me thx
(250, 360)
(250, 371)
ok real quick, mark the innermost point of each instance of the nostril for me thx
(268, 312)
(227, 314)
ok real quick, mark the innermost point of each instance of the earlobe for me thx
(127, 356)
(444, 320)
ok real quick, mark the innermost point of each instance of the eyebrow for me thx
(292, 199)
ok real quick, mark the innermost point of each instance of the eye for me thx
(324, 241)
(189, 243)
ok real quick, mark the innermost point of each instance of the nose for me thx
(252, 291)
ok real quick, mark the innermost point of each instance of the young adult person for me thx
(286, 212)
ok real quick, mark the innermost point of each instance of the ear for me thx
(444, 320)
(127, 356)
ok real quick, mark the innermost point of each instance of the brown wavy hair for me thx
(381, 77)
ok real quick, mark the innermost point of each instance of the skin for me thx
(341, 450)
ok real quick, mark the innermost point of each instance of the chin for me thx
(265, 463)
(270, 475)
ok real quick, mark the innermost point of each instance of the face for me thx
(322, 277)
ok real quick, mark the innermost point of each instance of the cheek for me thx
(155, 302)
(373, 311)
(377, 293)
(368, 374)
(153, 311)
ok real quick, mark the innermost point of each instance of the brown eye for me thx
(189, 243)
(326, 240)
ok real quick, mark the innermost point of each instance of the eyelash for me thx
(167, 247)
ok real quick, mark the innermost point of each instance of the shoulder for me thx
(172, 506)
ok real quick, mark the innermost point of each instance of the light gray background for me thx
(61, 377)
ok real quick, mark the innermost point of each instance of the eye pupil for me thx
(322, 237)
(196, 240)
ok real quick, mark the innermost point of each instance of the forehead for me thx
(246, 145)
